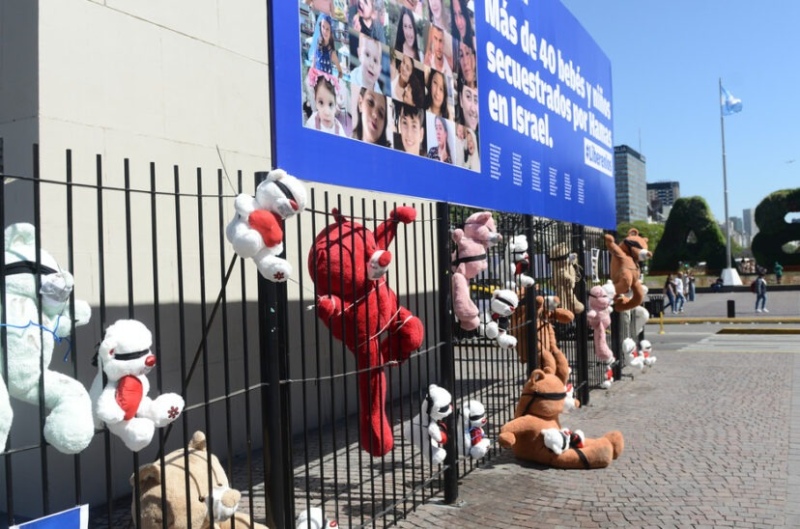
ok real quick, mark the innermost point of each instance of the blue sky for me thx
(666, 60)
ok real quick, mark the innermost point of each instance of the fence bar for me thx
(530, 303)
(447, 355)
(275, 423)
(616, 343)
(581, 324)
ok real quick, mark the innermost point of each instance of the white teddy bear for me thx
(122, 403)
(473, 418)
(503, 304)
(608, 378)
(314, 518)
(68, 426)
(256, 230)
(428, 429)
(647, 352)
(629, 349)
(518, 260)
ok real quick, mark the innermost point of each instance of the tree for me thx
(691, 235)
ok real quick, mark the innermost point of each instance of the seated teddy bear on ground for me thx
(173, 506)
(536, 434)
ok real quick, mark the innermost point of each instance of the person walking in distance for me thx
(778, 269)
(669, 291)
(680, 299)
(761, 293)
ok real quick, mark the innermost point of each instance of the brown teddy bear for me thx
(548, 311)
(564, 267)
(625, 269)
(223, 500)
(536, 435)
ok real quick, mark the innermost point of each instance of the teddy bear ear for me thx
(20, 234)
(275, 174)
(539, 374)
(633, 232)
(198, 441)
(149, 476)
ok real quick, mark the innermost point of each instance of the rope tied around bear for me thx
(543, 396)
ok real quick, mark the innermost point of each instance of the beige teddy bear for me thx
(223, 501)
(564, 266)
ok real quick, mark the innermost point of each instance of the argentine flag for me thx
(730, 104)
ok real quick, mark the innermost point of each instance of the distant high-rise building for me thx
(665, 192)
(738, 225)
(630, 176)
(749, 222)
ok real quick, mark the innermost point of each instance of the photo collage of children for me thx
(401, 74)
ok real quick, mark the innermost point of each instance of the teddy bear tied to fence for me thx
(32, 330)
(348, 264)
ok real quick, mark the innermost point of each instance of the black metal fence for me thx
(287, 407)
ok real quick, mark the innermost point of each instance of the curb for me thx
(759, 330)
(769, 319)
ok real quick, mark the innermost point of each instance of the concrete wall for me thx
(177, 83)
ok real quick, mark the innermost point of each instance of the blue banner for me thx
(75, 518)
(496, 104)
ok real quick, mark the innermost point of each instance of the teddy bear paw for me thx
(506, 341)
(167, 408)
(637, 361)
(224, 502)
(274, 269)
(438, 456)
(378, 264)
(491, 330)
(326, 307)
(135, 433)
(507, 439)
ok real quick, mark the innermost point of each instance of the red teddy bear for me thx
(348, 263)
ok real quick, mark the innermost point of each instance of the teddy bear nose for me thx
(150, 361)
(293, 204)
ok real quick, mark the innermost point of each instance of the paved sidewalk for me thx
(712, 439)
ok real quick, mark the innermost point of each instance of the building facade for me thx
(630, 176)
(660, 197)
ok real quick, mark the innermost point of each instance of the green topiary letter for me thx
(690, 215)
(774, 231)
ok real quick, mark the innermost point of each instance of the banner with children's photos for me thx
(386, 98)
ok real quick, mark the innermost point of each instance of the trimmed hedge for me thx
(774, 231)
(690, 214)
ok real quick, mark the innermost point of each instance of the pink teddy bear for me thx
(468, 260)
(480, 227)
(599, 319)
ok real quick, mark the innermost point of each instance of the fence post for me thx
(581, 325)
(275, 423)
(530, 304)
(616, 343)
(447, 357)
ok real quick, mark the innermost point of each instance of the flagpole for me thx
(725, 183)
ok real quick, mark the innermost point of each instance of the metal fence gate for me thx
(263, 377)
